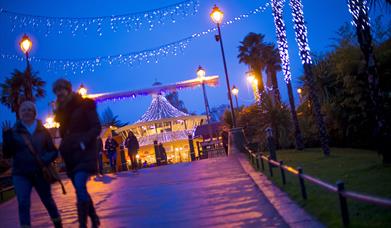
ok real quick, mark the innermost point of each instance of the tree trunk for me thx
(324, 141)
(298, 137)
(276, 91)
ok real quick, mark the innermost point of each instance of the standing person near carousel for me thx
(111, 148)
(133, 146)
(27, 133)
(79, 129)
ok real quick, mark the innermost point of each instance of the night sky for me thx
(323, 20)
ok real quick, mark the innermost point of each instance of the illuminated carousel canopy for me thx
(160, 108)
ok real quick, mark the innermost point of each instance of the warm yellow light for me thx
(137, 156)
(200, 73)
(299, 90)
(50, 123)
(217, 15)
(82, 91)
(255, 81)
(250, 77)
(25, 44)
(235, 90)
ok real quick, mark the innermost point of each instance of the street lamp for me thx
(217, 17)
(300, 91)
(250, 76)
(25, 45)
(201, 76)
(82, 91)
(235, 92)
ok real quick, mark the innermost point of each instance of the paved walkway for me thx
(207, 193)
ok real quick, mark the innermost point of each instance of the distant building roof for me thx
(160, 108)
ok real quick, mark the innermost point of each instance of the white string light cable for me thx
(123, 22)
(84, 65)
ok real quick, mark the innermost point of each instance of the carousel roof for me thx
(160, 108)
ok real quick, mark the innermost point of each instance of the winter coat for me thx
(132, 144)
(79, 129)
(23, 161)
(111, 145)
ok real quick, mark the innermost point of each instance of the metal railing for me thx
(258, 161)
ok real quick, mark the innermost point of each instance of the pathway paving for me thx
(208, 193)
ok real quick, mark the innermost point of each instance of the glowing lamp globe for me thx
(217, 15)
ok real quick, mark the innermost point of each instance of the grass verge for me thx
(361, 170)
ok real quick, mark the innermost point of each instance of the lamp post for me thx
(25, 45)
(201, 76)
(217, 17)
(235, 92)
(82, 91)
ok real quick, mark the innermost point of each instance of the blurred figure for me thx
(26, 170)
(79, 129)
(100, 155)
(224, 137)
(111, 148)
(132, 144)
(163, 155)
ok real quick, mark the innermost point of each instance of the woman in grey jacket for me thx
(26, 172)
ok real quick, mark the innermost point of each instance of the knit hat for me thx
(62, 84)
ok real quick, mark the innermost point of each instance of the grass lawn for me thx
(361, 170)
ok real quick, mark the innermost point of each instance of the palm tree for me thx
(251, 53)
(359, 11)
(15, 89)
(277, 7)
(272, 66)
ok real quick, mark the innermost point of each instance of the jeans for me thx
(23, 187)
(100, 164)
(133, 159)
(113, 160)
(79, 181)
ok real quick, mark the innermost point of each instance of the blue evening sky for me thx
(323, 19)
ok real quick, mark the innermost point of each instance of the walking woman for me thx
(132, 144)
(26, 171)
(79, 129)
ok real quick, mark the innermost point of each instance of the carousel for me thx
(161, 123)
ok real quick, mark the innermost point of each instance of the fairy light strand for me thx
(128, 22)
(300, 31)
(277, 8)
(84, 65)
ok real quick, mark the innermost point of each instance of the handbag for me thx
(48, 171)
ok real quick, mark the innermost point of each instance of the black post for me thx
(227, 79)
(262, 164)
(343, 204)
(123, 160)
(302, 185)
(270, 166)
(282, 173)
(257, 161)
(191, 147)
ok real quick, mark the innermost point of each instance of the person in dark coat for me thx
(163, 154)
(111, 148)
(79, 129)
(26, 172)
(100, 155)
(133, 146)
(224, 137)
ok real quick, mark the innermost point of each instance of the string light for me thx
(160, 108)
(359, 9)
(117, 96)
(84, 65)
(300, 31)
(165, 137)
(277, 8)
(128, 22)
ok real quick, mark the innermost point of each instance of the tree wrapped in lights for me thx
(359, 10)
(304, 52)
(277, 7)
